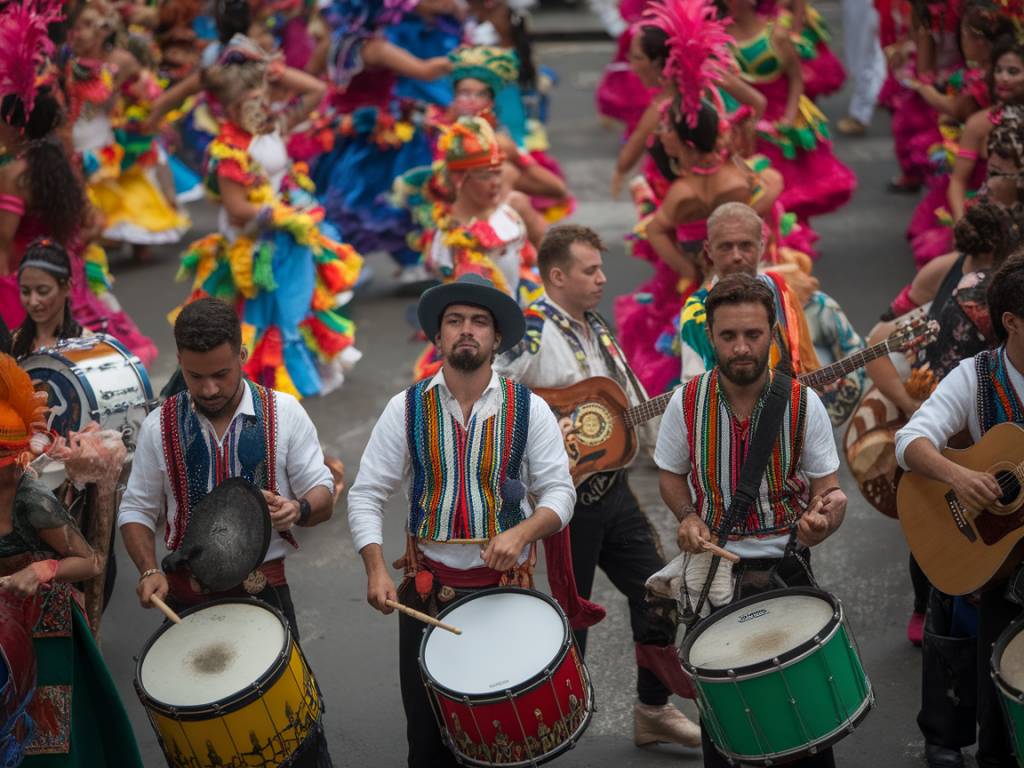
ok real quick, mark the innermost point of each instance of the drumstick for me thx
(422, 617)
(467, 541)
(165, 609)
(710, 547)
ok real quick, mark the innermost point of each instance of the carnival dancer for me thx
(223, 426)
(480, 73)
(77, 718)
(272, 255)
(356, 175)
(821, 70)
(650, 50)
(1007, 83)
(978, 394)
(797, 142)
(966, 92)
(706, 179)
(470, 321)
(567, 341)
(704, 437)
(40, 192)
(479, 231)
(134, 208)
(536, 193)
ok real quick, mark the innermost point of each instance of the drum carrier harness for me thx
(751, 473)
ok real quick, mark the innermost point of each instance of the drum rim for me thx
(524, 687)
(998, 650)
(136, 364)
(830, 739)
(235, 701)
(781, 661)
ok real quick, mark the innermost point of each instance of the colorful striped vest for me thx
(465, 481)
(718, 445)
(196, 464)
(998, 402)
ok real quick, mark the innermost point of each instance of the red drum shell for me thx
(527, 725)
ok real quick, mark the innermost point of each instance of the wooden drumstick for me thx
(711, 547)
(422, 617)
(481, 542)
(165, 609)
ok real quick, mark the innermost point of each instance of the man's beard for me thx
(467, 359)
(743, 376)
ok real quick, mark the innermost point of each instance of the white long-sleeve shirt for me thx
(819, 458)
(299, 464)
(950, 409)
(386, 464)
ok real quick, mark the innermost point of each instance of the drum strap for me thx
(754, 465)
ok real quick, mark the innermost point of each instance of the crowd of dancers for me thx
(326, 132)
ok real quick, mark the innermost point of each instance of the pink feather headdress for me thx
(698, 48)
(25, 46)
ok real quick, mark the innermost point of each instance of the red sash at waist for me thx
(182, 589)
(458, 578)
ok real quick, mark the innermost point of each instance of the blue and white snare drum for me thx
(94, 378)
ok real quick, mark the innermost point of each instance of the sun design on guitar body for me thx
(592, 424)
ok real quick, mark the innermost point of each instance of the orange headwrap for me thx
(22, 412)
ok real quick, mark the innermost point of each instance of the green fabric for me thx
(101, 735)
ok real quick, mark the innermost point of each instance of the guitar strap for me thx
(769, 424)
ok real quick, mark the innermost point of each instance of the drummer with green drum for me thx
(705, 438)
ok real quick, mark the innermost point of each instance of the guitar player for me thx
(567, 341)
(981, 392)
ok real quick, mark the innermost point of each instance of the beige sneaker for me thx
(851, 126)
(653, 724)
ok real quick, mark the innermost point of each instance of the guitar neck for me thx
(646, 411)
(840, 368)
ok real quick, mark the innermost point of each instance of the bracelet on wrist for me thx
(146, 574)
(687, 510)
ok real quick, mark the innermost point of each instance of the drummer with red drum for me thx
(706, 435)
(468, 446)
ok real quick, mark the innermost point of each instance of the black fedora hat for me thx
(479, 292)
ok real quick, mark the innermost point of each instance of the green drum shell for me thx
(1012, 698)
(823, 682)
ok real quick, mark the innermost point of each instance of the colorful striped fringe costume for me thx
(463, 478)
(718, 443)
(997, 400)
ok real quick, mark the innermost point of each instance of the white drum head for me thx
(214, 653)
(506, 639)
(760, 631)
(1011, 663)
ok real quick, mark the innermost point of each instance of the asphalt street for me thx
(352, 649)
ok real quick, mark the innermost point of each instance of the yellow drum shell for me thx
(266, 723)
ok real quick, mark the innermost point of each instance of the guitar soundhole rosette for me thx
(593, 424)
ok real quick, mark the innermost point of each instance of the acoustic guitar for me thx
(962, 549)
(599, 424)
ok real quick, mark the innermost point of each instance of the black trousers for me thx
(613, 533)
(794, 575)
(314, 753)
(949, 679)
(427, 749)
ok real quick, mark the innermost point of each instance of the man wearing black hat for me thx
(451, 439)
